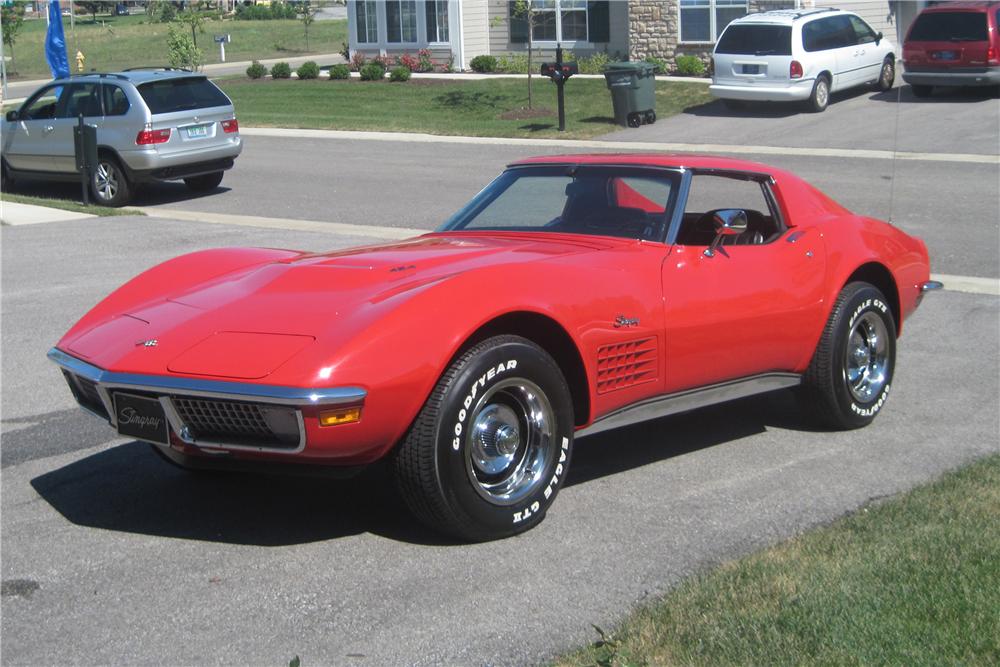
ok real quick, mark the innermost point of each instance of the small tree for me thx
(93, 6)
(11, 18)
(525, 10)
(181, 49)
(307, 14)
(195, 20)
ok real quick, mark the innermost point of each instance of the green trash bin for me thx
(633, 92)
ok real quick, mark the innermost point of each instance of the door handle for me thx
(48, 128)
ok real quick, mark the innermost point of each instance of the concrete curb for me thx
(14, 214)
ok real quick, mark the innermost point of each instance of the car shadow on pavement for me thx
(128, 488)
(941, 94)
(718, 108)
(147, 195)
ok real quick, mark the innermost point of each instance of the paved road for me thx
(136, 562)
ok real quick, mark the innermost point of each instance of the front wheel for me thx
(109, 184)
(820, 96)
(848, 380)
(204, 182)
(887, 76)
(491, 447)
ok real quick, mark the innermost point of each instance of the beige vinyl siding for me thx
(876, 13)
(475, 29)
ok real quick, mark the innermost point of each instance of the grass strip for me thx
(114, 43)
(911, 581)
(68, 205)
(486, 108)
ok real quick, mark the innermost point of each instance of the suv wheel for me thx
(887, 76)
(109, 184)
(820, 96)
(204, 182)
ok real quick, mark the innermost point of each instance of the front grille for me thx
(85, 393)
(234, 422)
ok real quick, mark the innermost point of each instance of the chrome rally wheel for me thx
(866, 359)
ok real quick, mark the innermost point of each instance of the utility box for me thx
(633, 92)
(85, 147)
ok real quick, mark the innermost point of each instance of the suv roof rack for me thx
(103, 75)
(165, 68)
(798, 13)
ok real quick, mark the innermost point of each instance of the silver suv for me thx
(152, 125)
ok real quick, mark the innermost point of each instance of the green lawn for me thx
(469, 108)
(912, 581)
(115, 43)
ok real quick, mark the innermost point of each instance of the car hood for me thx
(246, 325)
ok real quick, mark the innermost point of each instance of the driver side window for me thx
(44, 105)
(712, 192)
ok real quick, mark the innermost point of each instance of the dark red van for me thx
(953, 44)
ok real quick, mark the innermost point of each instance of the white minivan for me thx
(795, 55)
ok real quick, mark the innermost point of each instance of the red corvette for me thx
(573, 294)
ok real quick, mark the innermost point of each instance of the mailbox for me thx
(559, 71)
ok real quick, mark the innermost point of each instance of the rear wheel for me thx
(887, 76)
(491, 447)
(204, 182)
(109, 184)
(820, 96)
(922, 91)
(848, 380)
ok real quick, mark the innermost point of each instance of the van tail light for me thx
(150, 136)
(231, 125)
(795, 70)
(991, 54)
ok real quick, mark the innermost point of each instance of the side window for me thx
(829, 33)
(82, 98)
(863, 32)
(115, 101)
(43, 105)
(712, 192)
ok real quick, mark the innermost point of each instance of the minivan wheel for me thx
(820, 96)
(109, 184)
(204, 182)
(921, 91)
(887, 76)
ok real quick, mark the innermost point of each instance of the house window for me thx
(437, 20)
(366, 21)
(401, 21)
(558, 21)
(704, 20)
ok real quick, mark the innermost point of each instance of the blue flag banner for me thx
(55, 43)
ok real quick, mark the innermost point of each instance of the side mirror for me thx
(728, 222)
(878, 38)
(12, 115)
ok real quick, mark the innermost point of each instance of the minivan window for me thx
(183, 94)
(831, 33)
(950, 26)
(863, 32)
(756, 40)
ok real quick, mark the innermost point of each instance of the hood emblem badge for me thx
(152, 342)
(622, 322)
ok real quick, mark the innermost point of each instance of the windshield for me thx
(628, 202)
(950, 26)
(182, 94)
(756, 40)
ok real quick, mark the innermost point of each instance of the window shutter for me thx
(518, 25)
(598, 21)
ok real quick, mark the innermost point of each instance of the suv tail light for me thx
(150, 136)
(231, 125)
(991, 54)
(795, 70)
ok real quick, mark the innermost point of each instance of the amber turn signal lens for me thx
(342, 416)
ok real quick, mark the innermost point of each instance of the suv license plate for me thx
(141, 417)
(751, 69)
(944, 55)
(197, 132)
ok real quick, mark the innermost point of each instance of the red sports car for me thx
(572, 295)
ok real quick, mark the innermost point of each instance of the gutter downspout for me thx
(461, 38)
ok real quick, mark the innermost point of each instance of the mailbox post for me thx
(85, 151)
(560, 72)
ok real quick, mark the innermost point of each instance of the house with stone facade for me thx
(456, 31)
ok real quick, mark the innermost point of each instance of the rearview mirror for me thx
(728, 222)
(12, 115)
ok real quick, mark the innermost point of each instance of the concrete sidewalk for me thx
(12, 213)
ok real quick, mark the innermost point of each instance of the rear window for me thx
(756, 40)
(950, 26)
(182, 94)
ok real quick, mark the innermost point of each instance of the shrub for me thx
(308, 70)
(483, 64)
(424, 62)
(181, 49)
(256, 70)
(162, 12)
(385, 61)
(595, 64)
(276, 10)
(358, 61)
(689, 66)
(660, 65)
(449, 65)
(345, 51)
(408, 61)
(513, 64)
(373, 71)
(400, 73)
(281, 71)
(340, 72)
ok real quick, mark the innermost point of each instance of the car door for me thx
(830, 42)
(81, 99)
(868, 55)
(748, 308)
(27, 141)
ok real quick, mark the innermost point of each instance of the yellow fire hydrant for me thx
(79, 61)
